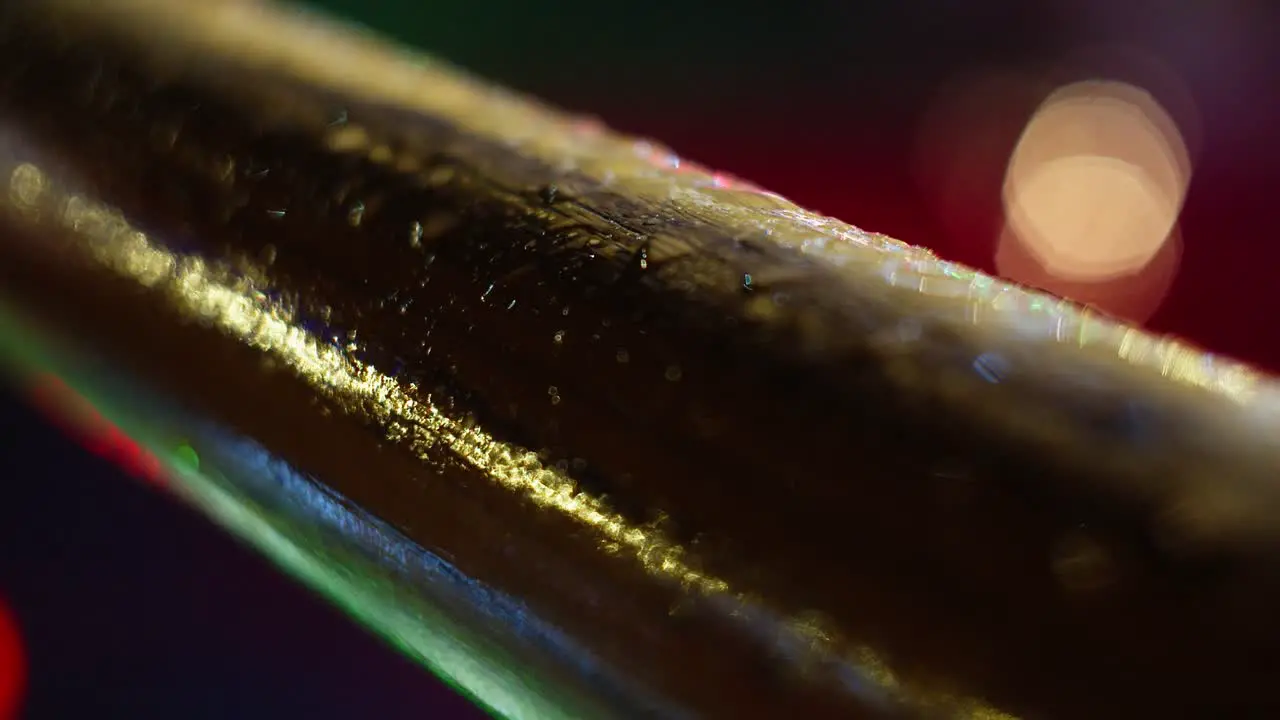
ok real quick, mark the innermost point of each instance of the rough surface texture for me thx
(761, 463)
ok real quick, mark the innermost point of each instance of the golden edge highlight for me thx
(307, 47)
(238, 304)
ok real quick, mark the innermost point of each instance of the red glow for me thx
(13, 665)
(79, 419)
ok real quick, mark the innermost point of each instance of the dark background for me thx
(127, 605)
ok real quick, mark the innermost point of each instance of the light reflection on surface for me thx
(310, 50)
(13, 664)
(240, 303)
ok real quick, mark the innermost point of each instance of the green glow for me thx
(186, 459)
(474, 666)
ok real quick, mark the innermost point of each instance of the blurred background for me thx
(1121, 153)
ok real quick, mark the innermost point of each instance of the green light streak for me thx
(471, 663)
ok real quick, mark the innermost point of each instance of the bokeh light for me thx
(1092, 197)
(13, 668)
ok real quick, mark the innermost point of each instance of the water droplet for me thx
(408, 164)
(277, 213)
(674, 373)
(437, 224)
(623, 356)
(346, 138)
(511, 305)
(644, 258)
(565, 311)
(187, 458)
(415, 235)
(559, 337)
(355, 215)
(165, 136)
(439, 176)
(226, 169)
(747, 281)
(761, 307)
(553, 390)
(555, 399)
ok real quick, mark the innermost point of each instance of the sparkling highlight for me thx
(239, 302)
